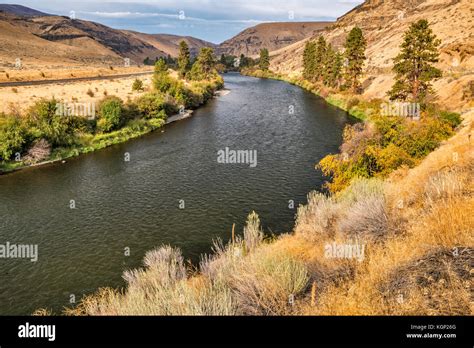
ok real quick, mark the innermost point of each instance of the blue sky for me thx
(211, 20)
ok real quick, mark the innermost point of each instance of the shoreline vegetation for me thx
(392, 237)
(47, 133)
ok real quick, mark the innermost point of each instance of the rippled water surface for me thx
(136, 204)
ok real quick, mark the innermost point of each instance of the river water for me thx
(172, 191)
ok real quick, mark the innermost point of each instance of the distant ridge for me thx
(20, 10)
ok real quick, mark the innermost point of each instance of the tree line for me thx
(413, 66)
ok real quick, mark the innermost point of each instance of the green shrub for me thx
(12, 136)
(110, 111)
(45, 122)
(451, 118)
(151, 105)
(137, 85)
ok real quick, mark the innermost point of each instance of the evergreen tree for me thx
(332, 67)
(264, 62)
(161, 78)
(146, 61)
(413, 66)
(309, 60)
(204, 66)
(355, 56)
(319, 58)
(183, 59)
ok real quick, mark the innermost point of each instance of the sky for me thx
(211, 20)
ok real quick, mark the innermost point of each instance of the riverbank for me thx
(135, 127)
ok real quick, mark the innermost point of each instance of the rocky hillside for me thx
(272, 36)
(47, 40)
(170, 43)
(383, 24)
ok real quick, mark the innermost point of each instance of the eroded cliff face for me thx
(272, 36)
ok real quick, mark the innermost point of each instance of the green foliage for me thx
(264, 61)
(46, 122)
(383, 145)
(413, 66)
(162, 80)
(319, 58)
(332, 72)
(204, 67)
(184, 61)
(137, 85)
(246, 62)
(452, 118)
(309, 60)
(151, 105)
(110, 114)
(355, 56)
(12, 136)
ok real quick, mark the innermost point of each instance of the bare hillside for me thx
(272, 36)
(383, 24)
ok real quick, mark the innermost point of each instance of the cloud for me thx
(213, 20)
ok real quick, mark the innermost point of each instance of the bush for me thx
(110, 111)
(151, 105)
(384, 144)
(12, 136)
(352, 102)
(45, 122)
(451, 118)
(137, 85)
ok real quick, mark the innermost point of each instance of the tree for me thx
(264, 62)
(47, 122)
(183, 59)
(355, 56)
(413, 65)
(332, 67)
(162, 81)
(12, 136)
(319, 57)
(110, 113)
(146, 61)
(309, 60)
(203, 67)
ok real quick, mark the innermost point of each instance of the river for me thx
(172, 191)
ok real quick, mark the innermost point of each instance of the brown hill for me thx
(272, 36)
(170, 43)
(57, 41)
(383, 24)
(20, 10)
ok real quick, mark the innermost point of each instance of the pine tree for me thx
(355, 56)
(264, 62)
(413, 65)
(183, 59)
(319, 57)
(332, 67)
(309, 60)
(161, 77)
(204, 66)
